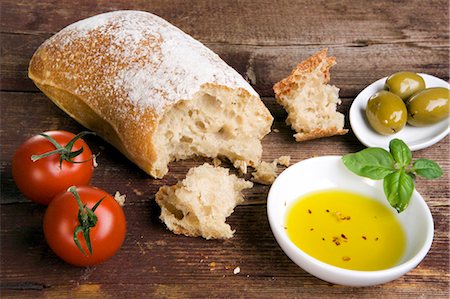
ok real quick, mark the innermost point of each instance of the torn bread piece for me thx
(200, 204)
(310, 101)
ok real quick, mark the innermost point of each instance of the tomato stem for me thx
(86, 220)
(65, 152)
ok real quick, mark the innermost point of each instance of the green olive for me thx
(404, 84)
(428, 107)
(386, 112)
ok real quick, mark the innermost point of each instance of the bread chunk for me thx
(310, 101)
(151, 90)
(200, 204)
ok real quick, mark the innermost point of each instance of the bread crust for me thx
(290, 84)
(118, 73)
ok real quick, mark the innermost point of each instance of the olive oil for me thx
(346, 230)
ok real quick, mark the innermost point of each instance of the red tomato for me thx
(41, 180)
(61, 220)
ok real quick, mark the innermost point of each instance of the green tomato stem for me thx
(65, 152)
(86, 220)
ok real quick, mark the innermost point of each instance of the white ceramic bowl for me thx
(330, 173)
(415, 137)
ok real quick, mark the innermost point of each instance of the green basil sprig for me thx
(394, 168)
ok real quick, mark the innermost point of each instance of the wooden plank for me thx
(263, 66)
(263, 50)
(153, 258)
(261, 22)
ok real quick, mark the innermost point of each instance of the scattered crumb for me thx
(216, 162)
(267, 172)
(346, 258)
(276, 130)
(241, 165)
(120, 198)
(138, 192)
(94, 160)
(236, 270)
(284, 160)
(212, 266)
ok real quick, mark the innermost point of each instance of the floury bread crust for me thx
(200, 204)
(151, 90)
(309, 100)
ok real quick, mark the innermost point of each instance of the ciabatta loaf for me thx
(200, 204)
(151, 90)
(310, 101)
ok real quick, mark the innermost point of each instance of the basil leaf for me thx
(374, 163)
(398, 188)
(427, 169)
(400, 151)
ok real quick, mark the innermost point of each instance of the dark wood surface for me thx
(263, 40)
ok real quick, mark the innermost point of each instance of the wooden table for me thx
(262, 40)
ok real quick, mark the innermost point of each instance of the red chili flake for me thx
(376, 239)
(328, 211)
(364, 237)
(309, 211)
(336, 241)
(343, 236)
(323, 239)
(311, 229)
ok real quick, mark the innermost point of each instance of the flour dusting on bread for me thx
(200, 204)
(310, 101)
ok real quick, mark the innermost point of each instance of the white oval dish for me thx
(415, 137)
(329, 172)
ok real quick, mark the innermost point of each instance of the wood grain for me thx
(384, 38)
(263, 40)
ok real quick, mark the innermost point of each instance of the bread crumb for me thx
(241, 165)
(138, 192)
(94, 161)
(212, 266)
(284, 160)
(120, 198)
(276, 130)
(216, 162)
(236, 270)
(267, 172)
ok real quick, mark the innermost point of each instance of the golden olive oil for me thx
(346, 230)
